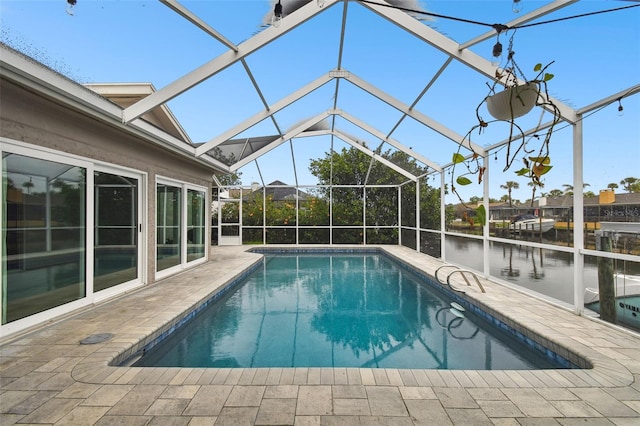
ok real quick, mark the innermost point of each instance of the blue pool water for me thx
(339, 310)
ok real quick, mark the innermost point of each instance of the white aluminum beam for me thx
(526, 133)
(535, 14)
(282, 139)
(390, 141)
(223, 61)
(312, 133)
(451, 48)
(373, 155)
(195, 20)
(424, 91)
(609, 99)
(255, 119)
(416, 115)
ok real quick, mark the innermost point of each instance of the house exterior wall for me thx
(29, 118)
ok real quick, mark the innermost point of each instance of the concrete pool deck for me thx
(47, 377)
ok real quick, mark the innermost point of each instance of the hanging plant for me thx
(519, 96)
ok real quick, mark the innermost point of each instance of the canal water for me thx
(545, 271)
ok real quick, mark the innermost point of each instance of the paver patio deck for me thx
(47, 377)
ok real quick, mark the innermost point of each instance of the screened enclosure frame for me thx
(229, 151)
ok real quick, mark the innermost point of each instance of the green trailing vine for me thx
(534, 164)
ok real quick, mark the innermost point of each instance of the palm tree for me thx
(613, 186)
(555, 193)
(535, 185)
(629, 184)
(28, 185)
(568, 189)
(509, 186)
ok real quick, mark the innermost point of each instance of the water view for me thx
(545, 271)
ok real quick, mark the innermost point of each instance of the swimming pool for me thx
(340, 310)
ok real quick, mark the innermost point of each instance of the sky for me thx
(145, 41)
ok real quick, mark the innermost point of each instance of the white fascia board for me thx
(42, 80)
(251, 121)
(33, 74)
(195, 20)
(373, 155)
(222, 61)
(416, 115)
(282, 139)
(121, 89)
(378, 134)
(535, 14)
(451, 48)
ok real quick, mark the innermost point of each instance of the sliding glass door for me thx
(116, 229)
(43, 234)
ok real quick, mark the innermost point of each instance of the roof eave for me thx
(35, 76)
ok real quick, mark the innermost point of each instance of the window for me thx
(168, 226)
(180, 225)
(44, 235)
(196, 231)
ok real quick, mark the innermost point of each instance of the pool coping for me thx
(138, 318)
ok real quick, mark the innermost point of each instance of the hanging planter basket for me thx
(513, 102)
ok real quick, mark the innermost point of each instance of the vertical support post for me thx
(239, 215)
(297, 214)
(606, 285)
(399, 213)
(264, 212)
(578, 218)
(486, 264)
(418, 233)
(364, 215)
(443, 219)
(331, 211)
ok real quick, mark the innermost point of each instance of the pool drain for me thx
(96, 338)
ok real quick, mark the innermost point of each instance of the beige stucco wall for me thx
(27, 117)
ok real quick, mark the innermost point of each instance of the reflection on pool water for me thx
(340, 310)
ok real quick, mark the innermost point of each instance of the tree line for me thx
(350, 182)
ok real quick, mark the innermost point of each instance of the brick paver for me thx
(46, 377)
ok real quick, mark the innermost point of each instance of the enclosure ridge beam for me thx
(221, 62)
(255, 119)
(415, 114)
(373, 155)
